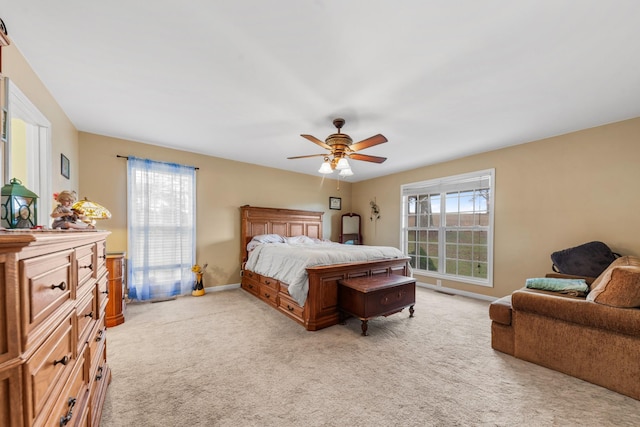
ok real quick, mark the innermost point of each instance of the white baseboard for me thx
(221, 288)
(455, 291)
(420, 284)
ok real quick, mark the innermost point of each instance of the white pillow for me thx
(264, 238)
(299, 240)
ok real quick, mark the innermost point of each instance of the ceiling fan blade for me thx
(369, 142)
(309, 155)
(366, 158)
(316, 141)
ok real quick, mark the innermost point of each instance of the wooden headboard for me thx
(285, 222)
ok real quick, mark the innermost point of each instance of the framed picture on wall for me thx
(64, 166)
(335, 203)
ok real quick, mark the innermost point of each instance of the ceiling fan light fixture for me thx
(346, 172)
(343, 164)
(325, 168)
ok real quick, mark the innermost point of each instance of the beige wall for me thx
(222, 187)
(549, 195)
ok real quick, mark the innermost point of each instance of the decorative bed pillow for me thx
(575, 287)
(619, 284)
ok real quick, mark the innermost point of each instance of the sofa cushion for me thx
(619, 284)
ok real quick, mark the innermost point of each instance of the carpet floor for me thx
(229, 359)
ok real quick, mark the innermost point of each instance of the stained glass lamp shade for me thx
(91, 210)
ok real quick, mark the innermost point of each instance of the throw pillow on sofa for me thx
(589, 259)
(619, 284)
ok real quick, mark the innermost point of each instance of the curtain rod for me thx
(127, 157)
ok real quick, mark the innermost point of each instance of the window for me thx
(447, 227)
(161, 228)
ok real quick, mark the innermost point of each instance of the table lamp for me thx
(91, 210)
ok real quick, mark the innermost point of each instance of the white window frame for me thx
(38, 149)
(462, 182)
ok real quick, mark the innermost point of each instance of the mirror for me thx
(350, 229)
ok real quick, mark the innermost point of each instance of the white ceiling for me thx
(242, 79)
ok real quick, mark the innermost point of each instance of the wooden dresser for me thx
(53, 295)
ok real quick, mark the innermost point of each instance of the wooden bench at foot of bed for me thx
(369, 297)
(321, 308)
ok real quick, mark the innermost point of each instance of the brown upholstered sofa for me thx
(595, 338)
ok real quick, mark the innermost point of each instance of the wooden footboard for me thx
(321, 307)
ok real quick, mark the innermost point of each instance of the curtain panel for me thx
(161, 210)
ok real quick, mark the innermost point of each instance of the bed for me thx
(319, 307)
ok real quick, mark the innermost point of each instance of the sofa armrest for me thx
(500, 310)
(577, 310)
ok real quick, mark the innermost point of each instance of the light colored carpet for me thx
(228, 359)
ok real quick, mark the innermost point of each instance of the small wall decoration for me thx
(335, 203)
(375, 210)
(64, 166)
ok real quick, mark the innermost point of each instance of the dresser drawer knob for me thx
(89, 266)
(290, 308)
(99, 337)
(99, 375)
(64, 420)
(89, 314)
(266, 295)
(64, 361)
(62, 286)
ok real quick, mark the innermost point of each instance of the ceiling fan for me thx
(341, 148)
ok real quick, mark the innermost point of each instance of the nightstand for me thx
(116, 304)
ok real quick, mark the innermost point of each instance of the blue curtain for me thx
(161, 210)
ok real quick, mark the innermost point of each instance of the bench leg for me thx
(365, 326)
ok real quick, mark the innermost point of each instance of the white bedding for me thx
(287, 262)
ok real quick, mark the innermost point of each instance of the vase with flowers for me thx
(198, 286)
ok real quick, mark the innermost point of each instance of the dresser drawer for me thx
(289, 306)
(102, 293)
(97, 339)
(86, 263)
(251, 282)
(46, 287)
(98, 392)
(268, 281)
(269, 295)
(86, 314)
(250, 275)
(71, 403)
(101, 256)
(49, 367)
